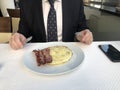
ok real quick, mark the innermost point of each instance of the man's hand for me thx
(17, 41)
(85, 36)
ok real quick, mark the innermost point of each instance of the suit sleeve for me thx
(82, 22)
(23, 25)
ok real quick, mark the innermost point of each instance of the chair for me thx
(15, 17)
(5, 29)
(5, 37)
(5, 24)
(14, 12)
(15, 24)
(0, 13)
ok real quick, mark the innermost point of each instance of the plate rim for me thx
(59, 73)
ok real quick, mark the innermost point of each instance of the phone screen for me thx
(111, 52)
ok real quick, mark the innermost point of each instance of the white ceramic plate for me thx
(77, 58)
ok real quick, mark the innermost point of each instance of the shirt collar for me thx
(59, 0)
(55, 0)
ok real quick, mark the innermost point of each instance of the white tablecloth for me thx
(96, 72)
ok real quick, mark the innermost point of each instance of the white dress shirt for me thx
(58, 8)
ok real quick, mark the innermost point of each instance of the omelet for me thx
(60, 54)
(54, 55)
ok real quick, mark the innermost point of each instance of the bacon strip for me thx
(43, 56)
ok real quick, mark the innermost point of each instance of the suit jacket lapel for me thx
(67, 17)
(38, 17)
(64, 13)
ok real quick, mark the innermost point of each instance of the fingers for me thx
(23, 39)
(86, 37)
(13, 44)
(17, 41)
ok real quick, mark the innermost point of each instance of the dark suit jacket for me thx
(32, 22)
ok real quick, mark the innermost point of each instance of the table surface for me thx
(96, 72)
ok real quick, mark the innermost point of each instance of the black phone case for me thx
(113, 54)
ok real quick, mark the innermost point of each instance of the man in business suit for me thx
(33, 22)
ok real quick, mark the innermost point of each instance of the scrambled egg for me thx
(60, 54)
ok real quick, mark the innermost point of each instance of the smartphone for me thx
(111, 52)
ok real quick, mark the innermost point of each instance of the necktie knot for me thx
(51, 2)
